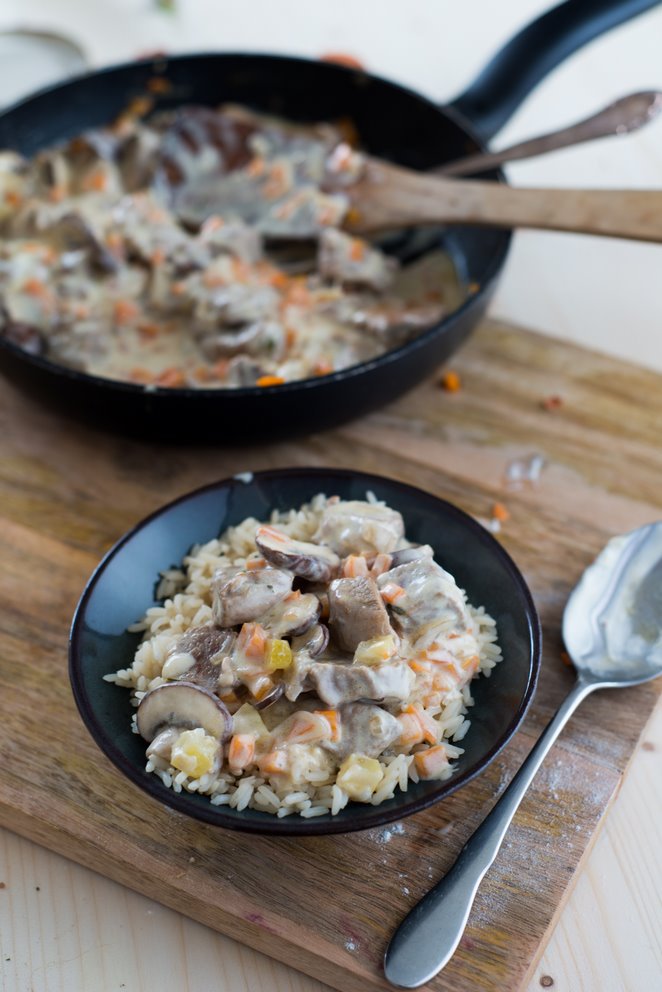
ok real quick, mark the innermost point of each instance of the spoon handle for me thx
(428, 936)
(624, 115)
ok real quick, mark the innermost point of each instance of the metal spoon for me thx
(612, 628)
(624, 115)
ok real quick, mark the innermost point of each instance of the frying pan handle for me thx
(514, 71)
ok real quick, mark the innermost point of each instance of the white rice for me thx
(187, 597)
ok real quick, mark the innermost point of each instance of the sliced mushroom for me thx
(242, 595)
(184, 705)
(198, 654)
(310, 561)
(405, 555)
(353, 526)
(356, 612)
(161, 746)
(313, 642)
(353, 262)
(253, 339)
(76, 232)
(292, 616)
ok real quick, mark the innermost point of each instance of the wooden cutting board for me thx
(328, 906)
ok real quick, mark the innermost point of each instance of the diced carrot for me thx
(252, 640)
(342, 58)
(357, 250)
(159, 84)
(256, 167)
(381, 564)
(158, 256)
(429, 726)
(551, 403)
(322, 368)
(149, 329)
(241, 752)
(273, 763)
(500, 512)
(35, 287)
(291, 337)
(212, 279)
(96, 180)
(142, 376)
(80, 311)
(432, 762)
(422, 667)
(124, 311)
(260, 685)
(451, 381)
(253, 563)
(241, 271)
(306, 728)
(392, 592)
(411, 733)
(292, 596)
(114, 241)
(333, 719)
(178, 288)
(271, 533)
(298, 292)
(56, 194)
(13, 198)
(277, 182)
(470, 664)
(279, 280)
(270, 380)
(354, 565)
(171, 378)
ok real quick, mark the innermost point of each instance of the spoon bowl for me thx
(612, 628)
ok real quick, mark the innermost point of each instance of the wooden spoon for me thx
(387, 196)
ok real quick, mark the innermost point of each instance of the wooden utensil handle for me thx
(392, 197)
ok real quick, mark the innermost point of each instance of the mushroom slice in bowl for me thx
(182, 704)
(309, 561)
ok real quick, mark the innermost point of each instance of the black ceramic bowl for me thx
(123, 587)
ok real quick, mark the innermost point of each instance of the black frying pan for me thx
(393, 123)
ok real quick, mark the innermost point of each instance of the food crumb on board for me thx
(385, 835)
(450, 381)
(500, 512)
(523, 472)
(551, 403)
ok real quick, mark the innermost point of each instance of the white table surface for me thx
(64, 928)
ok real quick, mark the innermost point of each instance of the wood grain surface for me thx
(327, 906)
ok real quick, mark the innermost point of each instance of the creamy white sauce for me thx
(614, 618)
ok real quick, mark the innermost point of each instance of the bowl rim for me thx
(367, 817)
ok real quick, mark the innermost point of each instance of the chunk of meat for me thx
(351, 261)
(356, 612)
(431, 594)
(337, 683)
(309, 561)
(364, 729)
(198, 654)
(354, 526)
(242, 595)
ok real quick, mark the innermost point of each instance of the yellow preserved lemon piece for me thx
(247, 720)
(375, 651)
(194, 752)
(279, 655)
(359, 777)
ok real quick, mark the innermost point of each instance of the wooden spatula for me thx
(387, 196)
